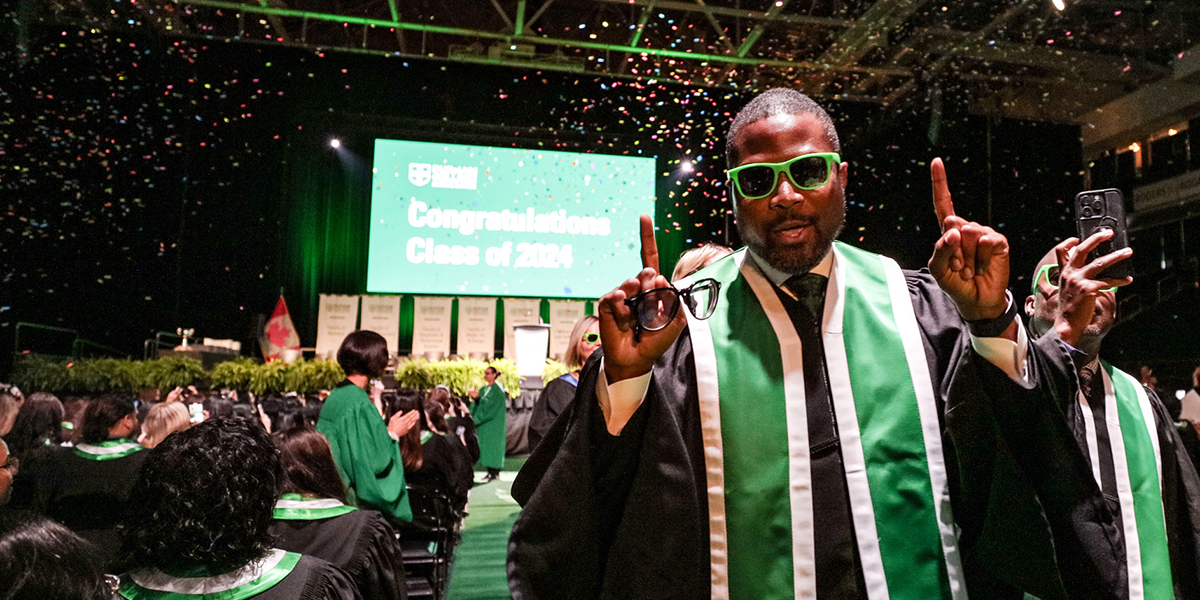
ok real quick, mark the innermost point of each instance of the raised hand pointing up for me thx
(624, 357)
(970, 260)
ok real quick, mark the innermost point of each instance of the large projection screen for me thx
(451, 219)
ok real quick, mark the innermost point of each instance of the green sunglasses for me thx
(591, 338)
(805, 172)
(1051, 273)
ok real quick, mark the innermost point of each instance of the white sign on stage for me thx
(563, 314)
(337, 318)
(431, 326)
(381, 314)
(476, 326)
(518, 311)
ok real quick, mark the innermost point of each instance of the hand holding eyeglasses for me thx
(1077, 286)
(630, 350)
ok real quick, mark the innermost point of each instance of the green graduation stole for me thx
(108, 450)
(1137, 461)
(750, 379)
(294, 507)
(249, 581)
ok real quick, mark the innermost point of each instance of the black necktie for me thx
(809, 289)
(1091, 384)
(839, 571)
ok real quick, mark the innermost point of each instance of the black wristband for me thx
(986, 328)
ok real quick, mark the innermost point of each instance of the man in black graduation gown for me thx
(1114, 423)
(619, 502)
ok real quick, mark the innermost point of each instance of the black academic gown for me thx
(88, 496)
(465, 426)
(446, 469)
(553, 401)
(1180, 492)
(627, 516)
(311, 579)
(361, 543)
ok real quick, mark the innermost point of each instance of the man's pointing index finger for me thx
(942, 204)
(649, 246)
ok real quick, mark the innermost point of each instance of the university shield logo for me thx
(419, 174)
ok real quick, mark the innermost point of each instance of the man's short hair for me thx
(778, 101)
(204, 498)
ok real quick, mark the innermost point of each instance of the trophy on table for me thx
(185, 334)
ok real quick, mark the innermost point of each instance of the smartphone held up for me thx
(1096, 210)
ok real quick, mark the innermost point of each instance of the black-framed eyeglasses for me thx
(655, 309)
(591, 338)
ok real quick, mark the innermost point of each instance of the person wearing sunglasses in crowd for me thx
(557, 395)
(1124, 431)
(817, 422)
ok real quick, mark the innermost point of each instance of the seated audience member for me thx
(8, 412)
(458, 419)
(446, 462)
(216, 407)
(73, 409)
(37, 427)
(161, 421)
(244, 410)
(204, 502)
(1190, 400)
(9, 466)
(310, 413)
(697, 258)
(282, 410)
(312, 518)
(362, 443)
(558, 394)
(42, 560)
(36, 435)
(86, 487)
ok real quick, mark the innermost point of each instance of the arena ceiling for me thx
(1016, 58)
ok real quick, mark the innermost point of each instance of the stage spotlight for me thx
(686, 166)
(1058, 4)
(335, 143)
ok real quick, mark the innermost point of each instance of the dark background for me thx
(151, 183)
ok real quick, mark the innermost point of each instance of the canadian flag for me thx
(279, 333)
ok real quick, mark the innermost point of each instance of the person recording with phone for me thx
(1141, 467)
(557, 395)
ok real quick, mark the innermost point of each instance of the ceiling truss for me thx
(1004, 54)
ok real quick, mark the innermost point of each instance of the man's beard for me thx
(794, 261)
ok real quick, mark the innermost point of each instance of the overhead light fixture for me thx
(1058, 4)
(335, 143)
(1135, 147)
(1172, 131)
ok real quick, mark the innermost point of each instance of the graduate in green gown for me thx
(364, 446)
(490, 414)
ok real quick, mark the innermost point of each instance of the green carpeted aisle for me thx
(479, 572)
